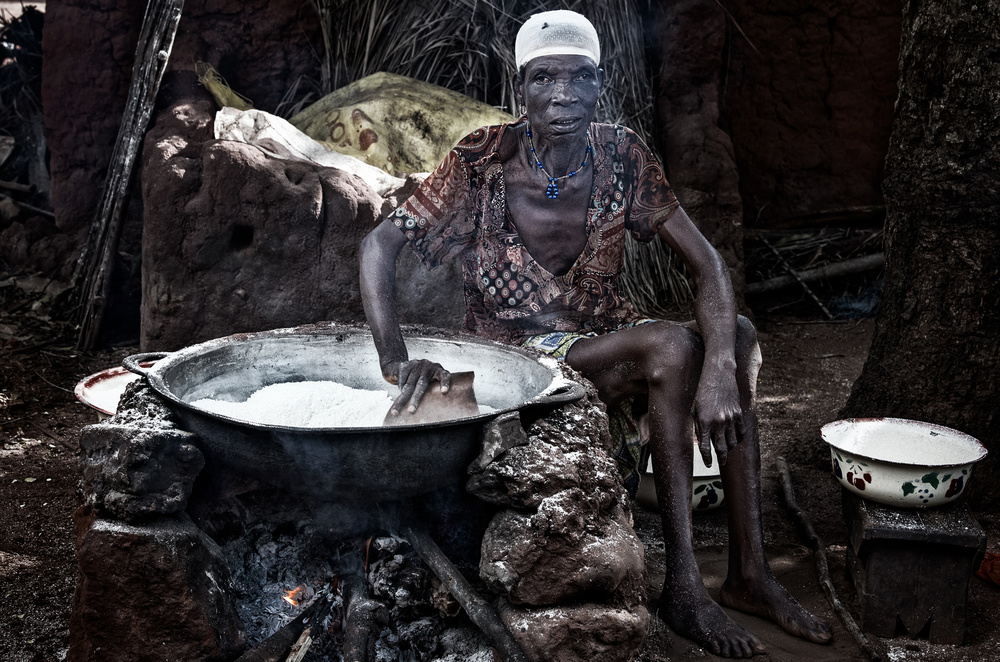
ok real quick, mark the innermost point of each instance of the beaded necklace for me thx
(552, 190)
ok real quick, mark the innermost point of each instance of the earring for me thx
(524, 109)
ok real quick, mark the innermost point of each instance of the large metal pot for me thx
(362, 463)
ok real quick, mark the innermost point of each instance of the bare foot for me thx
(770, 600)
(703, 622)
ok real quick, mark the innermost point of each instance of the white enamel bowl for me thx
(900, 462)
(706, 489)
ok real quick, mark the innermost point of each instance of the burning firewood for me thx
(309, 634)
(290, 640)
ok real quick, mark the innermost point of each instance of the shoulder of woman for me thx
(481, 142)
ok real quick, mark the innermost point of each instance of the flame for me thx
(291, 597)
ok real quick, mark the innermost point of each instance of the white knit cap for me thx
(558, 32)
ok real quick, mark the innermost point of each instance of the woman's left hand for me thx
(718, 416)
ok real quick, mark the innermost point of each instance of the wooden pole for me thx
(92, 276)
(845, 268)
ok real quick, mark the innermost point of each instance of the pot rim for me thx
(560, 390)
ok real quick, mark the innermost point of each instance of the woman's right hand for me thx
(413, 379)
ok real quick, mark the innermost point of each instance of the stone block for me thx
(567, 549)
(138, 473)
(579, 633)
(151, 593)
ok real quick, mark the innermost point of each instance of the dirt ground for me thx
(808, 371)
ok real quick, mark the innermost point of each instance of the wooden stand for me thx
(911, 567)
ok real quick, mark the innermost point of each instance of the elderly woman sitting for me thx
(537, 211)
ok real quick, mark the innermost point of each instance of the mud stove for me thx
(200, 540)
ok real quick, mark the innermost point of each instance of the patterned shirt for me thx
(460, 211)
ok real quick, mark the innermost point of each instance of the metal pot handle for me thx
(131, 363)
(568, 392)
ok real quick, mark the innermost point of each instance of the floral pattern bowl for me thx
(900, 462)
(706, 487)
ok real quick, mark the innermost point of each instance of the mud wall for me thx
(261, 47)
(769, 110)
(808, 90)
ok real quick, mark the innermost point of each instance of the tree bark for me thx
(935, 355)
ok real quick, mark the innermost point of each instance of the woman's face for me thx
(560, 93)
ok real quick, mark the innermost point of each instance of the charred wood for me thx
(365, 618)
(843, 268)
(30, 208)
(795, 275)
(276, 647)
(20, 188)
(309, 634)
(480, 612)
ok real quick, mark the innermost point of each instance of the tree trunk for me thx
(935, 355)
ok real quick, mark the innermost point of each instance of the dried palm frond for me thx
(217, 86)
(293, 102)
(468, 46)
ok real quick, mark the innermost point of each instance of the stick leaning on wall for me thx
(92, 276)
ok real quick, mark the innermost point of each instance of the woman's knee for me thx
(747, 347)
(674, 352)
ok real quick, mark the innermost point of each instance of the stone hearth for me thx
(182, 559)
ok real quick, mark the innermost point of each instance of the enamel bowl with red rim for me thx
(899, 462)
(102, 390)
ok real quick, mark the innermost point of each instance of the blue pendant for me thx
(552, 191)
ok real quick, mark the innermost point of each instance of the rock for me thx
(580, 425)
(566, 449)
(137, 465)
(175, 604)
(566, 535)
(581, 633)
(141, 405)
(526, 475)
(253, 243)
(564, 551)
(136, 473)
(499, 436)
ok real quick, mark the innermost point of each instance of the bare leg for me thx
(750, 585)
(664, 360)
